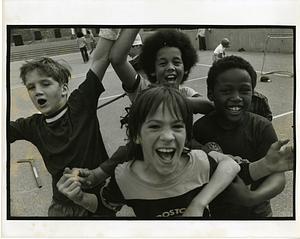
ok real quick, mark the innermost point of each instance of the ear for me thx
(210, 95)
(64, 89)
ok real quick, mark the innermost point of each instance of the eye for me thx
(177, 62)
(46, 83)
(154, 126)
(225, 91)
(162, 64)
(246, 90)
(30, 87)
(179, 126)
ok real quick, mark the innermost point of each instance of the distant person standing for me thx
(82, 44)
(90, 40)
(135, 51)
(219, 52)
(201, 38)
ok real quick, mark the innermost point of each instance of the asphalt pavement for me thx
(27, 200)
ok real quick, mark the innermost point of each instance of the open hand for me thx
(280, 157)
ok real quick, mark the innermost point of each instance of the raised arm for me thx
(200, 105)
(118, 57)
(279, 158)
(106, 40)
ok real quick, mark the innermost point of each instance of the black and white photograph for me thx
(163, 125)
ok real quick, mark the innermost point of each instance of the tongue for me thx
(166, 156)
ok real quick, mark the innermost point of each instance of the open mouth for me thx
(41, 102)
(166, 154)
(171, 79)
(234, 109)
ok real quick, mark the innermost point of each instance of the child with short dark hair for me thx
(230, 85)
(67, 132)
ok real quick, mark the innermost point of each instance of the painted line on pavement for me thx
(111, 69)
(276, 74)
(21, 85)
(284, 114)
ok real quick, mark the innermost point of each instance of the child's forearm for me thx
(200, 105)
(270, 187)
(259, 169)
(100, 174)
(89, 202)
(279, 158)
(118, 57)
(225, 172)
(101, 56)
(120, 50)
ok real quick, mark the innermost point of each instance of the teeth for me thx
(171, 77)
(236, 108)
(165, 150)
(165, 153)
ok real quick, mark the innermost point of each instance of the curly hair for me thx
(226, 63)
(146, 105)
(167, 38)
(48, 67)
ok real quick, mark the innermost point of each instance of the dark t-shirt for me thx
(73, 140)
(250, 140)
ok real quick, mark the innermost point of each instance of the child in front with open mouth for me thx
(162, 176)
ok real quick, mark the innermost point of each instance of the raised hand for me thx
(110, 33)
(280, 157)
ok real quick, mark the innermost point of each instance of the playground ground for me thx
(25, 199)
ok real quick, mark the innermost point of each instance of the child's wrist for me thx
(267, 165)
(198, 205)
(259, 169)
(78, 199)
(99, 174)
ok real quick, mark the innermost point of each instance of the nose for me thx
(236, 96)
(170, 67)
(38, 90)
(167, 135)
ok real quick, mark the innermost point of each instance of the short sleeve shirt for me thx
(144, 84)
(168, 199)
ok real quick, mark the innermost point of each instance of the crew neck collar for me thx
(57, 115)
